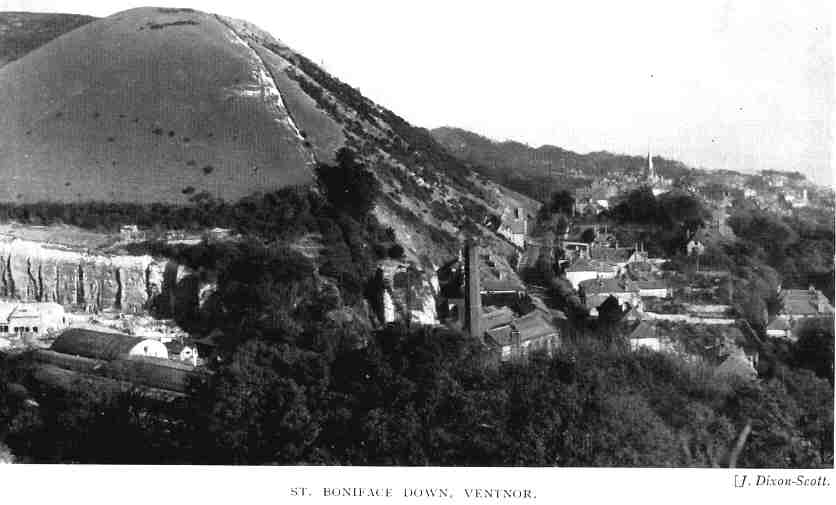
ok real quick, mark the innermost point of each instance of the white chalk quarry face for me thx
(30, 271)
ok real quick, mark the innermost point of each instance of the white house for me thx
(596, 291)
(182, 352)
(653, 288)
(31, 317)
(514, 226)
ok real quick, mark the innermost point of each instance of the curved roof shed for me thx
(106, 346)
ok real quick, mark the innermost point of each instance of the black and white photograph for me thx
(532, 235)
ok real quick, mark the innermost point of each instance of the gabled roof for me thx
(585, 265)
(780, 323)
(596, 300)
(613, 285)
(805, 302)
(611, 254)
(496, 317)
(645, 329)
(530, 326)
(176, 347)
(736, 365)
(513, 224)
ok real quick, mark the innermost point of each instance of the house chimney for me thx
(472, 292)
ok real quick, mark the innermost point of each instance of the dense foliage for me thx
(671, 218)
(432, 397)
(800, 247)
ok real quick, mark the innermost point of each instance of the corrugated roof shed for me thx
(94, 344)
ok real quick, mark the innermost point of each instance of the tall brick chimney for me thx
(472, 291)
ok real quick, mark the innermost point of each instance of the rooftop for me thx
(530, 326)
(493, 317)
(645, 329)
(613, 285)
(652, 284)
(780, 323)
(611, 254)
(501, 285)
(585, 265)
(805, 302)
(94, 344)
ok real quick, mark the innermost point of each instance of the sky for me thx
(741, 85)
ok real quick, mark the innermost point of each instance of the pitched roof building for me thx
(595, 291)
(585, 269)
(650, 336)
(522, 336)
(780, 327)
(809, 302)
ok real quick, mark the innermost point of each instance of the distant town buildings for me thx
(465, 283)
(803, 303)
(798, 305)
(514, 226)
(131, 233)
(594, 292)
(587, 269)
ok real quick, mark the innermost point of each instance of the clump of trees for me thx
(431, 396)
(800, 248)
(671, 218)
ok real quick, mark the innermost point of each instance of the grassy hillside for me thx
(176, 106)
(528, 169)
(22, 32)
(145, 105)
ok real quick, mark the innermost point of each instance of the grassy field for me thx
(146, 105)
(21, 32)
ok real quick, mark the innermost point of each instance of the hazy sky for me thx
(720, 84)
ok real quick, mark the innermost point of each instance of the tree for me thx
(562, 201)
(258, 410)
(588, 236)
(349, 186)
(814, 348)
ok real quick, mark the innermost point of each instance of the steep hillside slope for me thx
(527, 168)
(21, 32)
(166, 105)
(146, 105)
